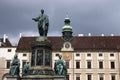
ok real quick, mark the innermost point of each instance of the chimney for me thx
(80, 34)
(102, 35)
(4, 38)
(89, 34)
(112, 34)
(20, 35)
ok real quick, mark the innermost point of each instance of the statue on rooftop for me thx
(60, 67)
(43, 23)
(15, 67)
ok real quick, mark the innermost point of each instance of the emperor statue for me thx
(43, 23)
(60, 67)
(15, 67)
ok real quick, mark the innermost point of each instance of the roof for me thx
(78, 43)
(5, 44)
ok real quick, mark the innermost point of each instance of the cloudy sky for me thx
(87, 16)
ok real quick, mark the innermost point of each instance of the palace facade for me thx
(7, 52)
(86, 57)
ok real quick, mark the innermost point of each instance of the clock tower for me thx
(67, 30)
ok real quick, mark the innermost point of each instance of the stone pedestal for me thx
(13, 78)
(41, 54)
(59, 77)
(41, 60)
(37, 77)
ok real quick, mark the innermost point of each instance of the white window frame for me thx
(100, 57)
(88, 57)
(112, 57)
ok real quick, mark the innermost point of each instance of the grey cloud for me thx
(94, 16)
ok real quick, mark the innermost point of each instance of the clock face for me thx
(67, 45)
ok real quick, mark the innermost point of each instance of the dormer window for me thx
(88, 55)
(9, 50)
(24, 55)
(100, 55)
(56, 55)
(77, 54)
(111, 55)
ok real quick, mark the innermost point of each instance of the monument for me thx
(25, 69)
(60, 69)
(41, 56)
(15, 69)
(43, 23)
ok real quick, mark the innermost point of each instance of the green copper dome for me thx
(67, 26)
(67, 30)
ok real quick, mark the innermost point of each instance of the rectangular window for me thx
(89, 64)
(100, 55)
(56, 55)
(100, 64)
(77, 64)
(112, 77)
(89, 77)
(77, 78)
(77, 54)
(67, 77)
(8, 64)
(67, 64)
(101, 77)
(111, 55)
(9, 50)
(112, 65)
(24, 55)
(88, 55)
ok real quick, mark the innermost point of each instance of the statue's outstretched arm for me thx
(36, 19)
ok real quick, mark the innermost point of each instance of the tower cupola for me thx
(67, 30)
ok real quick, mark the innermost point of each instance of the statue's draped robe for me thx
(14, 70)
(43, 23)
(60, 67)
(25, 69)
